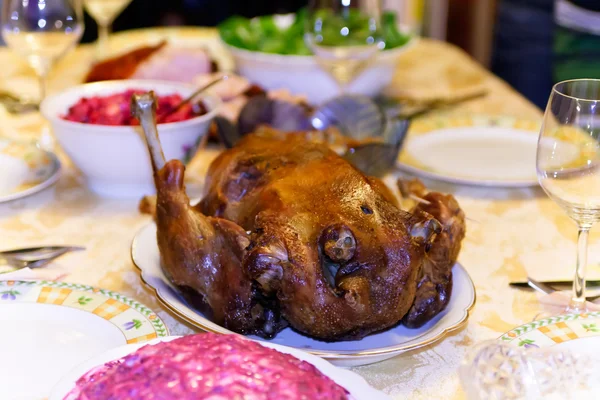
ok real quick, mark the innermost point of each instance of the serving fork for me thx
(33, 257)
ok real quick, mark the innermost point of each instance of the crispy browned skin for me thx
(434, 286)
(289, 232)
(202, 254)
(327, 244)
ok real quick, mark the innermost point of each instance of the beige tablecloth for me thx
(511, 232)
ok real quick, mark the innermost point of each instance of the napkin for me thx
(419, 80)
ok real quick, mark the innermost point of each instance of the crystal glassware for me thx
(568, 164)
(42, 31)
(493, 370)
(104, 13)
(344, 35)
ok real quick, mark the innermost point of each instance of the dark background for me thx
(148, 13)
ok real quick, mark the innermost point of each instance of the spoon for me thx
(194, 95)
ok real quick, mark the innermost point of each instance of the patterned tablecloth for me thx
(511, 232)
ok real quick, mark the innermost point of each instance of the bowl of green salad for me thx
(271, 52)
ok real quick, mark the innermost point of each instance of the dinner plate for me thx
(25, 169)
(358, 388)
(473, 150)
(373, 348)
(577, 332)
(50, 327)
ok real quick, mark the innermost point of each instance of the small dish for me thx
(53, 326)
(359, 389)
(25, 169)
(114, 159)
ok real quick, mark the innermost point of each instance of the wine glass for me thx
(344, 35)
(42, 31)
(568, 164)
(104, 13)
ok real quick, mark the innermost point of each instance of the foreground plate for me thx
(50, 327)
(483, 151)
(359, 389)
(25, 169)
(373, 348)
(578, 332)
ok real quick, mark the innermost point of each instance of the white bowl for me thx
(303, 76)
(114, 159)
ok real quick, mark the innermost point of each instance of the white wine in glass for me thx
(42, 31)
(568, 164)
(344, 35)
(104, 13)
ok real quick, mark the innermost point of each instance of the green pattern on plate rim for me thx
(137, 322)
(554, 330)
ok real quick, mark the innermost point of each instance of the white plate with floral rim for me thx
(371, 349)
(358, 388)
(578, 332)
(473, 150)
(50, 327)
(25, 169)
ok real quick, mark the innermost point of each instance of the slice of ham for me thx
(123, 66)
(175, 64)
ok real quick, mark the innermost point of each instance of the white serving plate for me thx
(373, 348)
(50, 327)
(358, 388)
(481, 151)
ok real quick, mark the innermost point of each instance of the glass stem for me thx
(103, 33)
(578, 300)
(42, 79)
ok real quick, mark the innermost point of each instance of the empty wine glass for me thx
(42, 31)
(568, 164)
(104, 13)
(344, 35)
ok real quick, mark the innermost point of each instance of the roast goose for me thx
(289, 233)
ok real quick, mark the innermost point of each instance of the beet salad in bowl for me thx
(92, 123)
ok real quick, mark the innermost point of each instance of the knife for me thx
(525, 284)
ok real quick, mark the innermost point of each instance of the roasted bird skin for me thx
(290, 233)
(434, 283)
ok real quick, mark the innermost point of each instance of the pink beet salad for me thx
(206, 366)
(115, 110)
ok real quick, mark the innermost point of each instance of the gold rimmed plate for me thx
(374, 348)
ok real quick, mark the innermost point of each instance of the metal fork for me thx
(34, 257)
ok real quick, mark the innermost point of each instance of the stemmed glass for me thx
(104, 13)
(344, 35)
(568, 164)
(42, 31)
